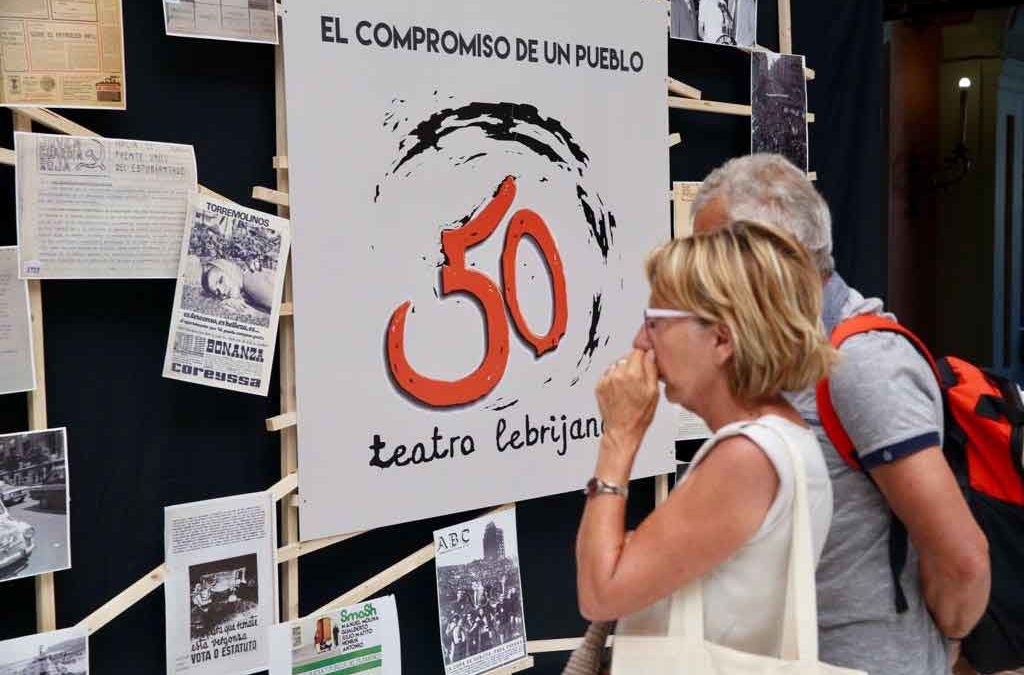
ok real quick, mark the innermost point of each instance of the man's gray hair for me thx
(768, 188)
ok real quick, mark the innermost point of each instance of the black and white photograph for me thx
(480, 594)
(231, 266)
(220, 593)
(35, 535)
(60, 652)
(721, 22)
(778, 98)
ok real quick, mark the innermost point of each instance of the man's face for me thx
(712, 217)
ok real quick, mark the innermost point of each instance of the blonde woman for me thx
(733, 322)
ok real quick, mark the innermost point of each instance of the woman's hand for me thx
(627, 396)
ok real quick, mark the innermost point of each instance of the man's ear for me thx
(723, 344)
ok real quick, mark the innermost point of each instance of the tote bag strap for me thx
(800, 618)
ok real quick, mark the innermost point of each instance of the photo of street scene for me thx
(34, 531)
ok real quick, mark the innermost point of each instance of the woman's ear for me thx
(723, 345)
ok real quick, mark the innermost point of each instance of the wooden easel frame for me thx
(291, 549)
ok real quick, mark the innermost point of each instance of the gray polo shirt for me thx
(887, 398)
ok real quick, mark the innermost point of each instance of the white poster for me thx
(221, 586)
(60, 651)
(17, 367)
(228, 298)
(35, 527)
(100, 208)
(480, 594)
(363, 638)
(469, 238)
(239, 20)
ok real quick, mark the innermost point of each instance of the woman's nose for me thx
(641, 340)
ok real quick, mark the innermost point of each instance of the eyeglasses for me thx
(654, 315)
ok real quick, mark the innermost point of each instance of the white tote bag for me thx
(644, 645)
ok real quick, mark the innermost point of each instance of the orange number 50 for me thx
(455, 278)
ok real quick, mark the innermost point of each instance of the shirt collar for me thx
(834, 297)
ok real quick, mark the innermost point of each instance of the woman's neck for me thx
(720, 407)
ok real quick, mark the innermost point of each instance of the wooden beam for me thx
(674, 140)
(301, 548)
(709, 106)
(282, 421)
(284, 487)
(785, 28)
(382, 580)
(125, 599)
(561, 645)
(809, 74)
(7, 157)
(679, 89)
(289, 570)
(55, 122)
(812, 176)
(46, 601)
(271, 196)
(717, 107)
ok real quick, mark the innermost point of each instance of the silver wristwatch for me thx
(596, 486)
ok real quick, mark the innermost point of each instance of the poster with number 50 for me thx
(474, 188)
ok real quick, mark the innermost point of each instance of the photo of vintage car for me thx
(17, 541)
(52, 495)
(12, 494)
(217, 587)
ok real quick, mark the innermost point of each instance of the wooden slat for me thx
(52, 120)
(7, 157)
(284, 487)
(301, 548)
(660, 489)
(289, 570)
(383, 579)
(717, 107)
(46, 601)
(560, 645)
(785, 28)
(809, 74)
(125, 599)
(674, 140)
(709, 106)
(680, 89)
(283, 421)
(812, 176)
(271, 196)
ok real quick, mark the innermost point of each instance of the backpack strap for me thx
(865, 323)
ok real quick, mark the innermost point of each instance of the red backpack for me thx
(984, 446)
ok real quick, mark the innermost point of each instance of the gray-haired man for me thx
(888, 401)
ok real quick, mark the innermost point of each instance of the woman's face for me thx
(221, 284)
(690, 355)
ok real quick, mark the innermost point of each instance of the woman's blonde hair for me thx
(761, 284)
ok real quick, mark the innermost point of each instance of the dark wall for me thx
(138, 442)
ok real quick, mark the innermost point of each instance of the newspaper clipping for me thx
(363, 638)
(35, 531)
(17, 367)
(241, 20)
(228, 299)
(101, 208)
(479, 594)
(221, 590)
(60, 651)
(62, 53)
